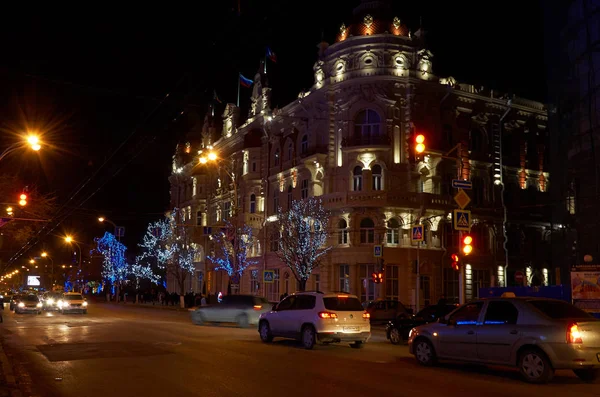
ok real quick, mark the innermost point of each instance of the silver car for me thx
(241, 309)
(536, 335)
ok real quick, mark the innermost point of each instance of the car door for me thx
(302, 312)
(498, 332)
(279, 321)
(458, 338)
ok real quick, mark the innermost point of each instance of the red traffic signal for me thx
(467, 247)
(23, 200)
(455, 261)
(377, 277)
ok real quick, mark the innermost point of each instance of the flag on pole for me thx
(4, 221)
(246, 82)
(216, 97)
(271, 55)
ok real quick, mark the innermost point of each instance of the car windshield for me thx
(347, 304)
(31, 298)
(559, 310)
(73, 297)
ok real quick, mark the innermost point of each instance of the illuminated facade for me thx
(349, 140)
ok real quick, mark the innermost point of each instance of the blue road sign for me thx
(268, 276)
(417, 233)
(461, 184)
(462, 220)
(377, 251)
(120, 231)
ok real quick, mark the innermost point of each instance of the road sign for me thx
(268, 276)
(462, 199)
(120, 231)
(417, 233)
(519, 277)
(377, 251)
(462, 184)
(462, 220)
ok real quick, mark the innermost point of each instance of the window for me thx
(501, 313)
(559, 310)
(480, 279)
(275, 235)
(571, 206)
(317, 282)
(367, 124)
(275, 201)
(393, 232)
(342, 304)
(273, 289)
(254, 166)
(289, 197)
(376, 172)
(290, 154)
(305, 302)
(425, 290)
(342, 232)
(391, 282)
(254, 284)
(468, 314)
(367, 286)
(304, 144)
(287, 304)
(367, 231)
(451, 285)
(276, 159)
(304, 189)
(252, 203)
(344, 278)
(357, 178)
(199, 218)
(226, 210)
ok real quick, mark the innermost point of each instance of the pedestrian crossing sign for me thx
(462, 220)
(268, 276)
(417, 233)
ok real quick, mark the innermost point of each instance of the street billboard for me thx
(585, 287)
(33, 281)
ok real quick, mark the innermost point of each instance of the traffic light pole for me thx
(461, 276)
(418, 286)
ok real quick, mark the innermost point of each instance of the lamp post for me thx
(45, 255)
(70, 240)
(102, 219)
(31, 140)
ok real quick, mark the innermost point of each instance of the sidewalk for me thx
(146, 306)
(8, 382)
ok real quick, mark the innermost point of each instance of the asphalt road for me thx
(132, 351)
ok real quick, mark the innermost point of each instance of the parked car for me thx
(398, 329)
(536, 335)
(384, 310)
(315, 317)
(28, 304)
(241, 309)
(72, 302)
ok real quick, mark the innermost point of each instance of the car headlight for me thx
(59, 303)
(21, 304)
(84, 303)
(50, 301)
(39, 304)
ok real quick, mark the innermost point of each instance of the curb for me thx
(9, 375)
(155, 307)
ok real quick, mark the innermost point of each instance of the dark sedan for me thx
(397, 330)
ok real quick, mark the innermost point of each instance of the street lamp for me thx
(102, 219)
(70, 240)
(45, 255)
(33, 141)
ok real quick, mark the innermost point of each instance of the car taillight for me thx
(573, 334)
(366, 315)
(257, 307)
(327, 315)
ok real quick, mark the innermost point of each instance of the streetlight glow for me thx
(68, 239)
(212, 156)
(31, 261)
(101, 219)
(44, 254)
(203, 160)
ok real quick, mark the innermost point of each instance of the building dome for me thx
(373, 17)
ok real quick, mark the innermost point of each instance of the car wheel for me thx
(308, 337)
(357, 345)
(424, 352)
(265, 332)
(588, 375)
(535, 367)
(242, 321)
(395, 336)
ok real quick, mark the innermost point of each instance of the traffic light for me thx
(23, 200)
(377, 277)
(467, 247)
(374, 277)
(419, 146)
(455, 259)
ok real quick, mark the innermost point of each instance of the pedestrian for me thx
(203, 301)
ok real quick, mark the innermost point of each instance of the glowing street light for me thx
(212, 156)
(34, 142)
(68, 239)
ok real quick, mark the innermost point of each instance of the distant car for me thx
(14, 300)
(317, 318)
(50, 300)
(536, 335)
(384, 310)
(398, 329)
(241, 309)
(72, 302)
(28, 304)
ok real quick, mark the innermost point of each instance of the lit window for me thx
(357, 179)
(342, 232)
(393, 232)
(376, 172)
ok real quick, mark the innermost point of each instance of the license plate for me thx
(350, 328)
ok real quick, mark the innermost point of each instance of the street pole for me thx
(418, 286)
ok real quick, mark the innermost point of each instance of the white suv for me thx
(315, 317)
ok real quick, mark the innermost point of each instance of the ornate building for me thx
(349, 140)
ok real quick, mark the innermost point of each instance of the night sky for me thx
(97, 81)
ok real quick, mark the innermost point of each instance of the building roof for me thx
(373, 17)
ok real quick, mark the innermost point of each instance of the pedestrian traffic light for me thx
(374, 277)
(377, 277)
(455, 259)
(467, 247)
(23, 200)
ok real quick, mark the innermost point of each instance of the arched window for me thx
(377, 173)
(304, 145)
(275, 201)
(290, 149)
(367, 126)
(393, 232)
(367, 231)
(342, 232)
(276, 159)
(252, 203)
(289, 197)
(357, 179)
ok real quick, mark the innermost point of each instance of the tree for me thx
(142, 272)
(303, 232)
(233, 245)
(115, 268)
(156, 251)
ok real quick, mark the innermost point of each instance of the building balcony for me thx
(366, 140)
(381, 198)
